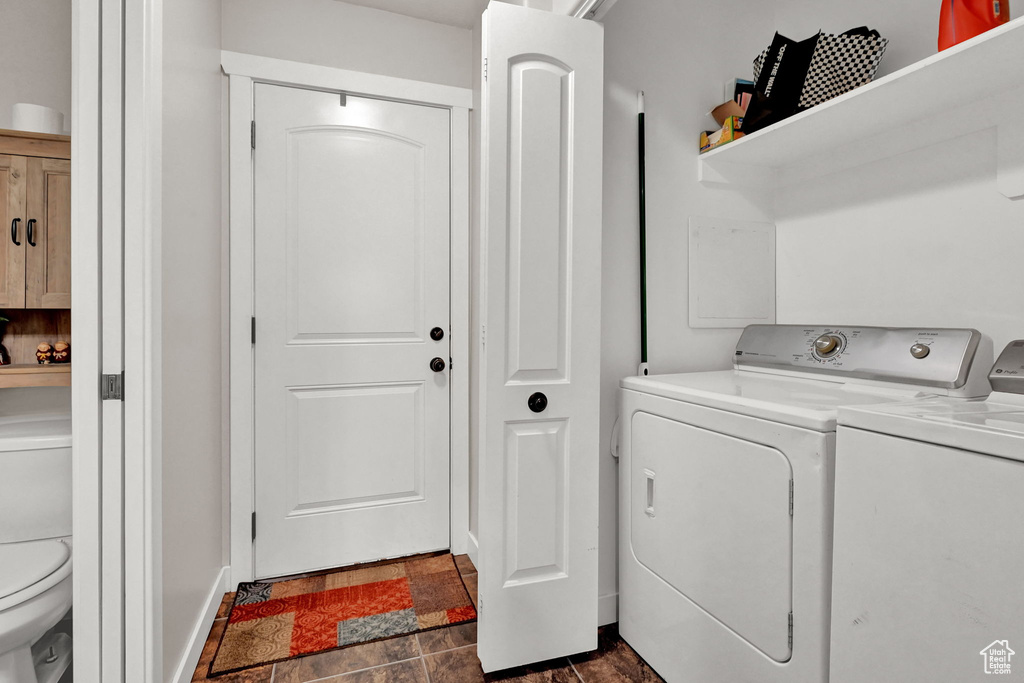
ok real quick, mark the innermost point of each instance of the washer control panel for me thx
(938, 357)
(1008, 372)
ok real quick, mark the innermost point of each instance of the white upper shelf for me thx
(870, 122)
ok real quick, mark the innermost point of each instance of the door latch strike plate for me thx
(112, 387)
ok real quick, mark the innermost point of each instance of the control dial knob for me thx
(919, 350)
(827, 344)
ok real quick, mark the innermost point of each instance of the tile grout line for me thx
(452, 649)
(357, 671)
(423, 661)
(572, 665)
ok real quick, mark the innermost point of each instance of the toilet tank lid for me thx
(33, 434)
(25, 564)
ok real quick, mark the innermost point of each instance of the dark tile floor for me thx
(445, 655)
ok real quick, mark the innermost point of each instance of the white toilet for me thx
(35, 545)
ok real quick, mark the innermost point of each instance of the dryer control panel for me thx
(929, 357)
(1008, 372)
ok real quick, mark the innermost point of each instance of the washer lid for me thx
(25, 564)
(989, 427)
(33, 434)
(807, 403)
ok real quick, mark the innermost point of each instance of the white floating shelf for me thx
(924, 103)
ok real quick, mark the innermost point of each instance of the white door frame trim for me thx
(243, 71)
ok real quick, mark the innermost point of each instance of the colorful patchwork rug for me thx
(273, 621)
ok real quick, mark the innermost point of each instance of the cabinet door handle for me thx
(14, 232)
(31, 232)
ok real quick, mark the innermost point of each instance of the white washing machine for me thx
(929, 537)
(725, 493)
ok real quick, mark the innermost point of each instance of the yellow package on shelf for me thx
(730, 131)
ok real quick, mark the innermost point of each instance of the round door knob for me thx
(437, 334)
(537, 402)
(919, 350)
(826, 344)
(437, 365)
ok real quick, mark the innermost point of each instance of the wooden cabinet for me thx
(13, 171)
(48, 250)
(35, 253)
(35, 216)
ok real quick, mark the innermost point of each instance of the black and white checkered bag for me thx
(839, 64)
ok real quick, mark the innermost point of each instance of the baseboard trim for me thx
(194, 648)
(607, 609)
(473, 549)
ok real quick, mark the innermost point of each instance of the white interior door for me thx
(351, 276)
(542, 132)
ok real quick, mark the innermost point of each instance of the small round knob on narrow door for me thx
(919, 350)
(826, 344)
(437, 334)
(537, 402)
(437, 365)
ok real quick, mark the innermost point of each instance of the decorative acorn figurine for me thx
(62, 352)
(44, 354)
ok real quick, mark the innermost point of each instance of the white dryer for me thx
(929, 537)
(726, 485)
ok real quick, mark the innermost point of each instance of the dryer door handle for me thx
(649, 508)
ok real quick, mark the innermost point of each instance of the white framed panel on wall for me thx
(731, 271)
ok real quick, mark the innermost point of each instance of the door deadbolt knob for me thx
(437, 334)
(537, 402)
(437, 365)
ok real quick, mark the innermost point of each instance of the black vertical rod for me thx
(643, 229)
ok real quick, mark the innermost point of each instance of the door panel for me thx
(710, 516)
(352, 271)
(13, 179)
(538, 225)
(48, 261)
(541, 260)
(536, 459)
(332, 431)
(380, 251)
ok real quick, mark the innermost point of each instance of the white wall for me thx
(333, 33)
(673, 52)
(193, 547)
(922, 239)
(35, 52)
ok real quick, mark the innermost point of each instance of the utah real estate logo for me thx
(997, 657)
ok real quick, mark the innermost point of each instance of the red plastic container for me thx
(961, 20)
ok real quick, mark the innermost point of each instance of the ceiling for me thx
(460, 13)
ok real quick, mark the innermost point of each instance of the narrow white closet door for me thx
(542, 136)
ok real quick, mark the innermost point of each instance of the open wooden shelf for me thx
(911, 108)
(35, 375)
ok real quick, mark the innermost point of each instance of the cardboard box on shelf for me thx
(729, 131)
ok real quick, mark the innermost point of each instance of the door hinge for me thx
(252, 133)
(790, 497)
(485, 68)
(253, 330)
(790, 630)
(483, 335)
(112, 387)
(254, 538)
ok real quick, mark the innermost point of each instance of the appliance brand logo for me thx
(997, 657)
